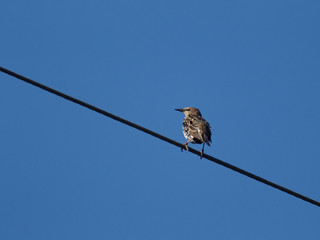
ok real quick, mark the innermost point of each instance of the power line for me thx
(182, 146)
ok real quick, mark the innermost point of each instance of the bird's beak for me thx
(180, 110)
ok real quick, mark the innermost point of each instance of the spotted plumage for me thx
(195, 128)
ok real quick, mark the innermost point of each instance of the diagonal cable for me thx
(182, 146)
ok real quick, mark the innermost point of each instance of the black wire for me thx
(131, 124)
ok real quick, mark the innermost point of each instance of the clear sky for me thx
(251, 67)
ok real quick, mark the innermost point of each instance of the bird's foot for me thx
(186, 145)
(201, 154)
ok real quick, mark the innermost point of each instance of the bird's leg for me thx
(186, 145)
(201, 153)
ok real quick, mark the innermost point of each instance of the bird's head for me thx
(189, 111)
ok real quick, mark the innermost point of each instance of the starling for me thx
(195, 128)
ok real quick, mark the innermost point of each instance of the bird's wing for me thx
(199, 129)
(204, 131)
(193, 127)
(207, 132)
(194, 131)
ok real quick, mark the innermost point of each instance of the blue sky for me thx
(251, 67)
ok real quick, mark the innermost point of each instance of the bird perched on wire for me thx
(195, 128)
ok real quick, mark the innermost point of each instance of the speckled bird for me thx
(195, 128)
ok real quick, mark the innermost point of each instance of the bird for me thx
(195, 128)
